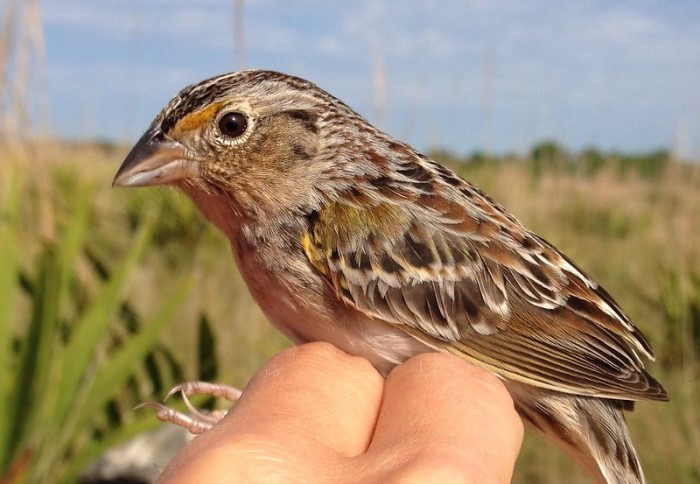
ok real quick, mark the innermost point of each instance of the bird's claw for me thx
(196, 422)
(205, 388)
(167, 414)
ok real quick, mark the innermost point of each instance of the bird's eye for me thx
(233, 124)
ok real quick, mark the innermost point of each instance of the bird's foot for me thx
(196, 421)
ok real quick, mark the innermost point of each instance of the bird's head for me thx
(257, 138)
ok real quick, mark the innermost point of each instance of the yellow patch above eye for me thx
(197, 119)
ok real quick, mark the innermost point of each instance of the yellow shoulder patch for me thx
(339, 223)
(314, 253)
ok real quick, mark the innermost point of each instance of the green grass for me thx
(108, 297)
(68, 357)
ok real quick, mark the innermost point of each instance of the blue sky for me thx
(464, 75)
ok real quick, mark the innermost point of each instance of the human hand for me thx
(316, 414)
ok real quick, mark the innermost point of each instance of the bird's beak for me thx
(155, 160)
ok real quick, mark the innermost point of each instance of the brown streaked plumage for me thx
(346, 235)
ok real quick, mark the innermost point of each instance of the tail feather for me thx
(591, 430)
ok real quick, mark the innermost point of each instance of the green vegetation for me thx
(110, 297)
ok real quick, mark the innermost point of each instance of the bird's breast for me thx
(298, 302)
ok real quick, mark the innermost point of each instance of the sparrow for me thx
(346, 235)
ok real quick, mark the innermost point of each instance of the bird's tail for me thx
(591, 430)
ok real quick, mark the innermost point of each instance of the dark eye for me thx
(233, 124)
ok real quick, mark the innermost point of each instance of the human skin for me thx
(316, 414)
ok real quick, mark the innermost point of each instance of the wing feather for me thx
(460, 274)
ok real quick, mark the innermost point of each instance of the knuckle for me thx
(432, 467)
(321, 352)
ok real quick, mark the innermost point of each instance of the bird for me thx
(347, 235)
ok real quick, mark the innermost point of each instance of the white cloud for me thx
(628, 63)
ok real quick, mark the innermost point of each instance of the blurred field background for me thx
(108, 298)
(633, 222)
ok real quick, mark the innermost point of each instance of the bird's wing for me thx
(464, 276)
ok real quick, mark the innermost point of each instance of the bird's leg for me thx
(197, 421)
(217, 390)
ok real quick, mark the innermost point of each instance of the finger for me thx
(315, 393)
(440, 408)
